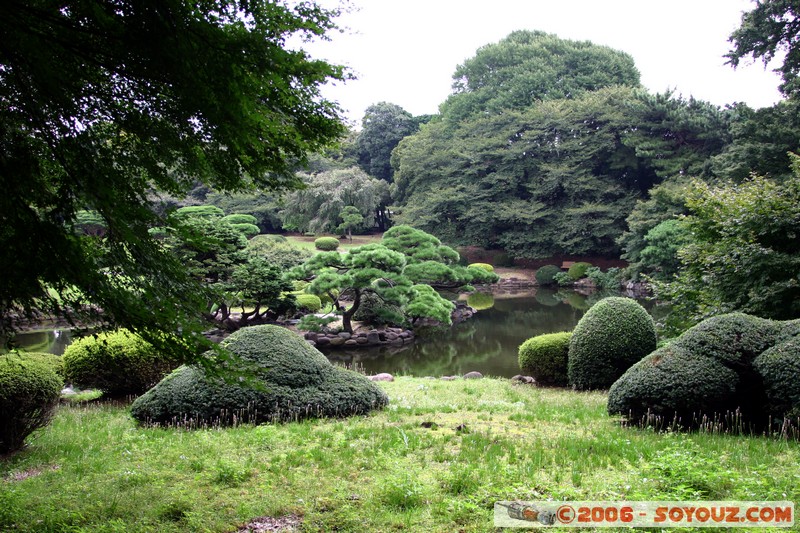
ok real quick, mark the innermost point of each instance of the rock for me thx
(383, 376)
(362, 340)
(351, 342)
(406, 334)
(322, 341)
(373, 337)
(448, 378)
(473, 375)
(391, 336)
(311, 336)
(524, 379)
(344, 335)
(337, 341)
(68, 391)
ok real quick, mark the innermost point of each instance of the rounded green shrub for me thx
(118, 363)
(375, 311)
(480, 300)
(240, 218)
(29, 392)
(614, 334)
(326, 244)
(55, 362)
(479, 275)
(578, 270)
(248, 230)
(733, 339)
(672, 385)
(308, 302)
(545, 358)
(292, 381)
(546, 275)
(485, 266)
(779, 369)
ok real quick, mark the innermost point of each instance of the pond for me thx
(486, 343)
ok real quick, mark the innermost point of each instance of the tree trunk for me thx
(347, 325)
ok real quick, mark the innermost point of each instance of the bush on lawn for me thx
(545, 358)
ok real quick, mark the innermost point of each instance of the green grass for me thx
(358, 240)
(435, 460)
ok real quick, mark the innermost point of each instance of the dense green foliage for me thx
(613, 335)
(383, 126)
(375, 311)
(276, 251)
(734, 371)
(29, 392)
(749, 265)
(106, 106)
(545, 358)
(293, 381)
(118, 363)
(545, 275)
(326, 244)
(308, 302)
(578, 270)
(486, 266)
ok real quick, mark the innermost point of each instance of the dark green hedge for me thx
(29, 392)
(545, 358)
(614, 334)
(292, 381)
(779, 368)
(118, 363)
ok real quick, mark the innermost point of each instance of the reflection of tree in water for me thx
(487, 342)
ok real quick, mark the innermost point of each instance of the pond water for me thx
(486, 343)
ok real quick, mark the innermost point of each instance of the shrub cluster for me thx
(29, 392)
(118, 363)
(545, 358)
(291, 381)
(614, 334)
(546, 275)
(326, 244)
(732, 363)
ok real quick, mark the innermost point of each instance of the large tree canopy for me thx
(529, 66)
(103, 102)
(384, 125)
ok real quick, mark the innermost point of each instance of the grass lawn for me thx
(435, 460)
(358, 240)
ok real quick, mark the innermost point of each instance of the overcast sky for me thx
(405, 51)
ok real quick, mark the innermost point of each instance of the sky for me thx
(406, 51)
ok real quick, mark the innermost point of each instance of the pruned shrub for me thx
(29, 392)
(485, 266)
(293, 381)
(373, 310)
(240, 218)
(614, 334)
(735, 369)
(248, 230)
(546, 275)
(480, 275)
(578, 270)
(545, 358)
(779, 368)
(308, 302)
(326, 244)
(118, 363)
(672, 385)
(55, 362)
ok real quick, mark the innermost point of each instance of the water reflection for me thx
(487, 342)
(47, 341)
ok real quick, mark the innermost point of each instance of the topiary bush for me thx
(326, 244)
(578, 270)
(733, 363)
(672, 385)
(485, 266)
(308, 302)
(779, 368)
(55, 362)
(546, 275)
(239, 218)
(29, 392)
(375, 311)
(545, 358)
(248, 230)
(118, 363)
(293, 381)
(614, 334)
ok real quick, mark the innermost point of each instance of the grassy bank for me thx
(435, 460)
